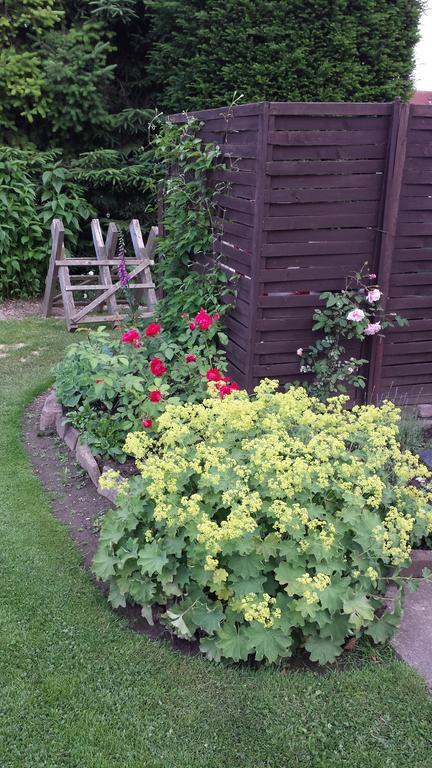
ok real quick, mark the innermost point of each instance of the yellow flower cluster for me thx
(257, 610)
(314, 585)
(229, 472)
(396, 536)
(109, 480)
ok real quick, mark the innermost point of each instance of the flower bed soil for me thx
(79, 506)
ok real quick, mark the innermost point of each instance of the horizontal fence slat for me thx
(329, 108)
(325, 195)
(360, 220)
(323, 167)
(321, 138)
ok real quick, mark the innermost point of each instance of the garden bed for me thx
(62, 462)
(78, 504)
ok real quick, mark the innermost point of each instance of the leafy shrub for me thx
(266, 523)
(112, 384)
(353, 313)
(34, 189)
(187, 262)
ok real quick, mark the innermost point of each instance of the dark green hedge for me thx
(281, 50)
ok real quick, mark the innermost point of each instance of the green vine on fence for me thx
(353, 313)
(187, 266)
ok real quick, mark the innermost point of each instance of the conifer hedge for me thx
(301, 50)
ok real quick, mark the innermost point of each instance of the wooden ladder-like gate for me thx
(108, 306)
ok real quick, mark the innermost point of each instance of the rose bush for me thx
(113, 383)
(266, 523)
(354, 313)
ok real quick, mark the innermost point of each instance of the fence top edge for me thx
(254, 108)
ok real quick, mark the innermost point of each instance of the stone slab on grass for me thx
(413, 640)
(87, 461)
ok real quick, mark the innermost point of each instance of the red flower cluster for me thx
(146, 423)
(214, 375)
(157, 366)
(222, 383)
(132, 337)
(155, 395)
(227, 387)
(203, 320)
(153, 329)
(190, 358)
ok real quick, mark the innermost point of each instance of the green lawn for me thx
(79, 689)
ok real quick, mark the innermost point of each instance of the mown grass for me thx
(78, 689)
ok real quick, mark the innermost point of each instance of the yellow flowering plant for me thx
(267, 523)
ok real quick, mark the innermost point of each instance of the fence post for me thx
(257, 238)
(393, 186)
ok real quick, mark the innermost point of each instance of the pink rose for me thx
(356, 315)
(300, 351)
(373, 295)
(372, 329)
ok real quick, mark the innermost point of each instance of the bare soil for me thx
(17, 309)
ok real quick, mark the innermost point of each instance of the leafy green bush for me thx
(187, 266)
(34, 189)
(266, 523)
(111, 384)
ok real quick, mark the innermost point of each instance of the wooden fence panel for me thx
(406, 375)
(315, 191)
(325, 167)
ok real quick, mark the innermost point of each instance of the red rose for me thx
(152, 329)
(190, 358)
(192, 326)
(224, 390)
(132, 337)
(155, 395)
(213, 375)
(157, 366)
(203, 320)
(216, 316)
(146, 423)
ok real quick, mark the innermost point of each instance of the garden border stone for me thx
(53, 418)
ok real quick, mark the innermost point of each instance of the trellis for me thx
(109, 306)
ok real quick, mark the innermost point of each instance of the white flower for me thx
(373, 295)
(91, 272)
(300, 351)
(356, 315)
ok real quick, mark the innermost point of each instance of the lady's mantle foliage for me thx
(266, 523)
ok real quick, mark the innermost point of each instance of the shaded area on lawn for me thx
(79, 688)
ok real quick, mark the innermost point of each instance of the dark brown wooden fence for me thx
(315, 191)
